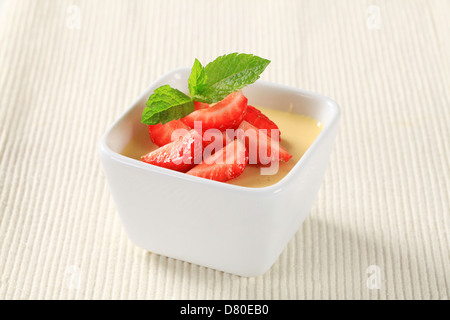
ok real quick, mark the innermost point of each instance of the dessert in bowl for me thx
(239, 226)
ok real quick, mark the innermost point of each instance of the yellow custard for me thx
(297, 133)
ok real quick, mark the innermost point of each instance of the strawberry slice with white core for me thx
(213, 140)
(225, 114)
(180, 155)
(161, 134)
(256, 118)
(262, 149)
(226, 164)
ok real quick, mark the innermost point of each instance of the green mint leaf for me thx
(197, 79)
(166, 104)
(227, 74)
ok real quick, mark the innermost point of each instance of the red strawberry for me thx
(161, 133)
(260, 120)
(227, 163)
(257, 143)
(200, 105)
(209, 139)
(180, 155)
(225, 114)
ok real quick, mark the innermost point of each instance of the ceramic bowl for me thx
(231, 228)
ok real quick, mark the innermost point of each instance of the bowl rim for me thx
(105, 150)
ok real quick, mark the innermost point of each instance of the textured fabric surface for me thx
(380, 226)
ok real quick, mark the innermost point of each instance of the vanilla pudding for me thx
(298, 132)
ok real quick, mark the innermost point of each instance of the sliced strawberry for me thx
(258, 143)
(226, 164)
(161, 134)
(180, 155)
(209, 139)
(200, 105)
(260, 120)
(225, 114)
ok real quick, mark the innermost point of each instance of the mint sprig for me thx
(212, 83)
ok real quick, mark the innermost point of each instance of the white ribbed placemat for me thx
(380, 225)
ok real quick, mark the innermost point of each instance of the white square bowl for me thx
(226, 227)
